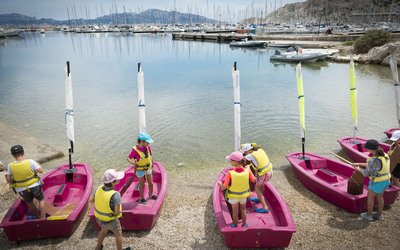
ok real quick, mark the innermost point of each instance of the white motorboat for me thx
(295, 57)
(247, 43)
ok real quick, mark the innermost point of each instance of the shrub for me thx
(349, 43)
(372, 38)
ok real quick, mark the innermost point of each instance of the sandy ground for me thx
(187, 220)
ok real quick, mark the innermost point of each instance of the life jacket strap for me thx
(239, 193)
(105, 214)
(261, 169)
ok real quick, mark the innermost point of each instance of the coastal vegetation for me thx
(371, 39)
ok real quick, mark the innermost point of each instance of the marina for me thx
(191, 121)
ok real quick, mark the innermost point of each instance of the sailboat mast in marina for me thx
(236, 105)
(353, 97)
(300, 97)
(141, 105)
(69, 117)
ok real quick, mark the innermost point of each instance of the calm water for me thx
(189, 98)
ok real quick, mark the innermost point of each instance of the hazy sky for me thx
(57, 9)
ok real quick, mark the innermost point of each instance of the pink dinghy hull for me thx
(137, 216)
(355, 151)
(265, 230)
(59, 192)
(389, 132)
(328, 179)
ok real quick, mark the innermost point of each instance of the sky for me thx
(59, 9)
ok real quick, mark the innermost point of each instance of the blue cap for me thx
(145, 137)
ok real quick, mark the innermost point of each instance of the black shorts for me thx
(35, 192)
(396, 171)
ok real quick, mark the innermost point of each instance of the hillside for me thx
(337, 11)
(152, 16)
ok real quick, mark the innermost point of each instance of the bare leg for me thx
(396, 182)
(370, 201)
(42, 209)
(260, 196)
(235, 214)
(101, 237)
(243, 213)
(150, 181)
(33, 209)
(118, 240)
(141, 187)
(380, 200)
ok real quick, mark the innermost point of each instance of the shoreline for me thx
(187, 218)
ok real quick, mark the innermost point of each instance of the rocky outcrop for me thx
(382, 55)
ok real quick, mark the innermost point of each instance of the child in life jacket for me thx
(107, 208)
(143, 163)
(22, 174)
(237, 183)
(377, 169)
(261, 164)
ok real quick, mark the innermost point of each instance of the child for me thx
(107, 207)
(263, 168)
(396, 171)
(143, 163)
(378, 170)
(237, 183)
(22, 174)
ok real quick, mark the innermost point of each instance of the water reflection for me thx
(189, 97)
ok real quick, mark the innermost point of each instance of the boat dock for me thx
(304, 41)
(33, 147)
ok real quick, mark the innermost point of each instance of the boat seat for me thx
(326, 175)
(60, 194)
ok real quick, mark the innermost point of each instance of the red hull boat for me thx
(328, 179)
(137, 216)
(356, 151)
(265, 230)
(59, 192)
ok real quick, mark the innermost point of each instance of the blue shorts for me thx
(378, 187)
(141, 173)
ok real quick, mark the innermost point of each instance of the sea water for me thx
(188, 97)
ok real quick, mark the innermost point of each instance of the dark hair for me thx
(108, 184)
(138, 141)
(380, 152)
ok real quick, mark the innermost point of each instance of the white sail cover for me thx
(69, 108)
(300, 97)
(393, 66)
(236, 105)
(141, 105)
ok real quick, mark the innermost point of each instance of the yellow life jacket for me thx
(239, 188)
(264, 164)
(384, 174)
(392, 147)
(22, 174)
(145, 161)
(102, 209)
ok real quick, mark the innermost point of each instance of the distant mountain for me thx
(152, 16)
(337, 11)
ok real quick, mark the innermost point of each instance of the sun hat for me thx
(17, 149)
(145, 137)
(371, 144)
(246, 147)
(111, 175)
(235, 156)
(395, 135)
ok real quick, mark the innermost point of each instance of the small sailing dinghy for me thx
(329, 179)
(266, 230)
(393, 67)
(66, 189)
(355, 149)
(137, 216)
